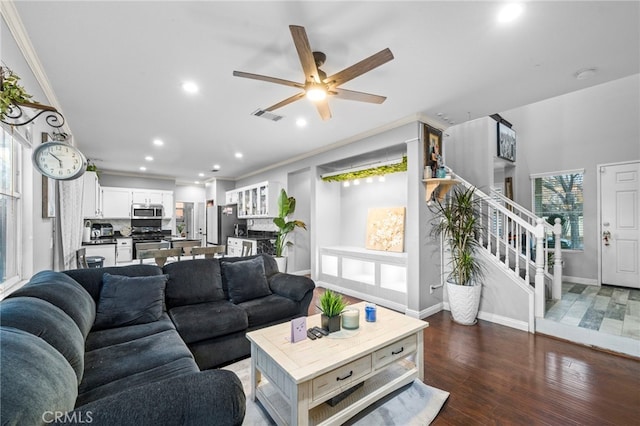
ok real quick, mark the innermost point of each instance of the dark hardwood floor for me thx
(499, 375)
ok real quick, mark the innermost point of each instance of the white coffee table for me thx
(293, 380)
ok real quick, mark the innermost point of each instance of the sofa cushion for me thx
(195, 281)
(91, 278)
(64, 292)
(208, 320)
(130, 300)
(48, 322)
(245, 279)
(112, 336)
(269, 309)
(112, 369)
(36, 379)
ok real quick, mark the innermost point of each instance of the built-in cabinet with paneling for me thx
(92, 200)
(124, 250)
(259, 200)
(108, 251)
(145, 196)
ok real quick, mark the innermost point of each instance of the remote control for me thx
(315, 332)
(321, 330)
(310, 335)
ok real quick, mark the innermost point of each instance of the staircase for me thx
(518, 240)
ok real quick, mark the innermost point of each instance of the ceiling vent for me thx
(266, 114)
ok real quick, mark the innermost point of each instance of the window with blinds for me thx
(560, 195)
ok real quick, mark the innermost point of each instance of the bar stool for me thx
(208, 252)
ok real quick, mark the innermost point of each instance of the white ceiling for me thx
(117, 69)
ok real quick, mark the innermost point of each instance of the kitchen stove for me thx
(147, 231)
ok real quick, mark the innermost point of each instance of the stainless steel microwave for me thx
(151, 211)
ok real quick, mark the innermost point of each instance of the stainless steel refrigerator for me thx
(221, 221)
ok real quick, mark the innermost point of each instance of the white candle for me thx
(351, 319)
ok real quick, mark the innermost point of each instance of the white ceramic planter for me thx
(282, 263)
(464, 301)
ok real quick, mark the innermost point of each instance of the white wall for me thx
(356, 200)
(582, 129)
(189, 194)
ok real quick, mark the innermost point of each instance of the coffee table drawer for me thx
(394, 351)
(341, 376)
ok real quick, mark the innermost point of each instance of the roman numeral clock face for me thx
(59, 160)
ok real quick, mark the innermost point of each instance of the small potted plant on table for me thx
(331, 305)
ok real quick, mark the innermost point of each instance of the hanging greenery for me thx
(374, 171)
(11, 91)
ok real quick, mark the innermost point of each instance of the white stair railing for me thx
(516, 238)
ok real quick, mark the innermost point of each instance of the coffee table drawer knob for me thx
(345, 377)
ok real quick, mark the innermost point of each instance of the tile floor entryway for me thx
(607, 309)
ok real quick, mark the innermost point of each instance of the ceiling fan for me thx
(317, 86)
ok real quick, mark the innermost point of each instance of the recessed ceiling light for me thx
(197, 182)
(510, 12)
(190, 87)
(215, 168)
(201, 174)
(148, 158)
(143, 168)
(238, 155)
(585, 73)
(301, 122)
(158, 142)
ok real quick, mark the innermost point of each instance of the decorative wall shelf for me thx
(445, 184)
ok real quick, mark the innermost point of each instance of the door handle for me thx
(606, 236)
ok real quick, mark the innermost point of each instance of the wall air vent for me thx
(266, 114)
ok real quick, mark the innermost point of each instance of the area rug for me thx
(416, 404)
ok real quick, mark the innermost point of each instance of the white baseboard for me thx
(506, 321)
(499, 319)
(580, 280)
(425, 312)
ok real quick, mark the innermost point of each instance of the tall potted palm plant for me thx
(286, 207)
(458, 221)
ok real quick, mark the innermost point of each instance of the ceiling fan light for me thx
(316, 94)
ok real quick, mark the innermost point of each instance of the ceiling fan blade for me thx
(357, 96)
(304, 53)
(286, 102)
(323, 109)
(355, 70)
(269, 79)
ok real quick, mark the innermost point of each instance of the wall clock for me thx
(59, 160)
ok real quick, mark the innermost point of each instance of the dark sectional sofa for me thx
(126, 345)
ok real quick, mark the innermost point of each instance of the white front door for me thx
(620, 224)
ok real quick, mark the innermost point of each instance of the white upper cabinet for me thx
(116, 203)
(92, 199)
(144, 196)
(259, 200)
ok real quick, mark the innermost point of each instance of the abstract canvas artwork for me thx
(385, 229)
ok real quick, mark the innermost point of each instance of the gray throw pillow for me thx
(245, 279)
(130, 300)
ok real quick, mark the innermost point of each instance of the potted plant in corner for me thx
(331, 304)
(286, 207)
(458, 220)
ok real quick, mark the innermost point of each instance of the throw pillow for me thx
(245, 279)
(130, 300)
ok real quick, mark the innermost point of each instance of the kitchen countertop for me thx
(99, 241)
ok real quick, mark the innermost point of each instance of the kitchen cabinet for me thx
(168, 205)
(142, 196)
(108, 251)
(259, 200)
(231, 197)
(234, 246)
(124, 250)
(116, 203)
(91, 200)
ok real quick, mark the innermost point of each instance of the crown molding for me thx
(19, 33)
